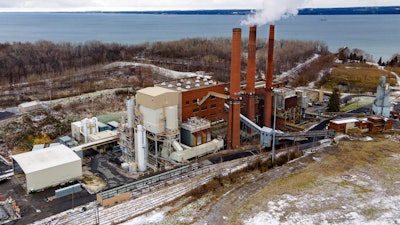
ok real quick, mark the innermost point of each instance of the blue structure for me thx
(103, 126)
(113, 124)
(381, 106)
(64, 140)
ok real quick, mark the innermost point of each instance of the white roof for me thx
(77, 123)
(345, 120)
(102, 135)
(155, 91)
(46, 158)
(29, 104)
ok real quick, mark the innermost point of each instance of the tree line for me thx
(22, 62)
(394, 62)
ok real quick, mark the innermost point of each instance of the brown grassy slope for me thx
(362, 77)
(377, 159)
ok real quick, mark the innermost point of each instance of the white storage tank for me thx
(142, 148)
(153, 119)
(172, 118)
(130, 105)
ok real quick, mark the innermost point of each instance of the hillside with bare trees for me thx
(45, 70)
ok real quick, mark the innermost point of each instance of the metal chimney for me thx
(268, 79)
(233, 139)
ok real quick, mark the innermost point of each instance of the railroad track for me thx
(157, 195)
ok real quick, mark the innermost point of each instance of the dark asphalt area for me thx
(4, 115)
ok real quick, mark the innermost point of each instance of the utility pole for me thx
(274, 131)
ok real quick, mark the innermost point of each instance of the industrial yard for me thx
(184, 142)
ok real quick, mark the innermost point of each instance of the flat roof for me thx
(102, 135)
(345, 120)
(46, 158)
(155, 91)
(190, 83)
(113, 123)
(29, 104)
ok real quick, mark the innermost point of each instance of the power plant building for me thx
(48, 167)
(200, 97)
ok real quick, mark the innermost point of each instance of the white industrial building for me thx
(48, 167)
(151, 135)
(81, 130)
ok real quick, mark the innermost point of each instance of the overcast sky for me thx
(141, 5)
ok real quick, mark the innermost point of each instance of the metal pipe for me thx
(274, 132)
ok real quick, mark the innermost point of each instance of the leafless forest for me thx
(44, 70)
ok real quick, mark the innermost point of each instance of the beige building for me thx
(48, 167)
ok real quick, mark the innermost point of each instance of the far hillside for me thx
(45, 70)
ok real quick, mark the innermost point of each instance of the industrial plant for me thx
(170, 126)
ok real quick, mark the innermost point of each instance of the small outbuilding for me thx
(48, 167)
(29, 106)
(343, 125)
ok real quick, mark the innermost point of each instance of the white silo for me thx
(142, 148)
(130, 105)
(172, 118)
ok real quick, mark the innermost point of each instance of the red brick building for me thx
(200, 97)
(370, 124)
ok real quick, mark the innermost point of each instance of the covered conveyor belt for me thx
(266, 133)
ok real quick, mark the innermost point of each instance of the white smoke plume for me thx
(273, 10)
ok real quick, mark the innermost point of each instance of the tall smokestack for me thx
(268, 79)
(251, 72)
(233, 138)
(251, 61)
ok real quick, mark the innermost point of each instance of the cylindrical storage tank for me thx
(204, 136)
(208, 135)
(132, 167)
(198, 139)
(141, 144)
(93, 127)
(130, 105)
(172, 118)
(125, 166)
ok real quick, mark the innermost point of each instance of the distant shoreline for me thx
(307, 11)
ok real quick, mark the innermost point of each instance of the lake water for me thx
(378, 35)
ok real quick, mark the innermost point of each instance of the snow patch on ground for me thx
(159, 70)
(353, 199)
(154, 217)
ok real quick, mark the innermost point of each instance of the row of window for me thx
(194, 101)
(204, 108)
